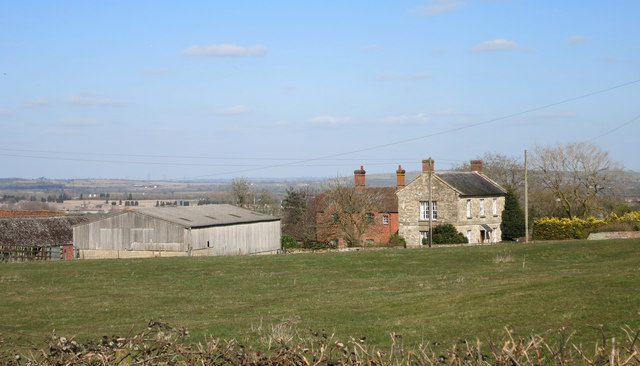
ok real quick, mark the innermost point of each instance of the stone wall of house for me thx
(471, 226)
(451, 209)
(409, 199)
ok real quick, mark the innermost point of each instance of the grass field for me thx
(438, 294)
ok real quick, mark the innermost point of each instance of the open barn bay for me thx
(436, 295)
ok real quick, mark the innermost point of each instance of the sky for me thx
(283, 89)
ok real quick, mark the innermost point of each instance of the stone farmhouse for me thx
(470, 201)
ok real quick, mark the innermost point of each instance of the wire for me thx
(190, 164)
(616, 128)
(302, 162)
(471, 125)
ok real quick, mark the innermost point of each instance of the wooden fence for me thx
(25, 253)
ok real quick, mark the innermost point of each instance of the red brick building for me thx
(340, 212)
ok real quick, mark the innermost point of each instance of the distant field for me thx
(439, 294)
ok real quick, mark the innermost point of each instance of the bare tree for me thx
(348, 213)
(241, 190)
(507, 171)
(576, 173)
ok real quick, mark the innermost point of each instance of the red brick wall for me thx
(378, 232)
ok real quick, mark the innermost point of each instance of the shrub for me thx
(447, 234)
(289, 242)
(397, 240)
(319, 245)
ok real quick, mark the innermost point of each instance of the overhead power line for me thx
(455, 129)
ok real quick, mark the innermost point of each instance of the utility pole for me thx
(526, 199)
(430, 207)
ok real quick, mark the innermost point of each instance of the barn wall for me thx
(130, 231)
(115, 254)
(237, 239)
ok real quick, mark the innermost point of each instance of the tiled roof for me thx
(471, 184)
(206, 215)
(387, 200)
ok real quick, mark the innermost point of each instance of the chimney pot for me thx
(476, 166)
(400, 177)
(427, 165)
(359, 177)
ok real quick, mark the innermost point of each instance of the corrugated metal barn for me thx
(178, 231)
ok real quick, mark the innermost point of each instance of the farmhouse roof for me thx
(387, 200)
(206, 215)
(471, 184)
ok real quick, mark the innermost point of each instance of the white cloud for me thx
(85, 99)
(495, 45)
(235, 110)
(37, 102)
(395, 76)
(329, 120)
(577, 39)
(225, 50)
(448, 112)
(372, 47)
(155, 71)
(76, 122)
(405, 118)
(437, 7)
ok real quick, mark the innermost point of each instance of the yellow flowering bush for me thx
(554, 228)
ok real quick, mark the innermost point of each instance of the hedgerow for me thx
(162, 344)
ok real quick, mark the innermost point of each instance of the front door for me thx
(482, 234)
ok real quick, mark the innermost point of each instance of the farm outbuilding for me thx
(178, 231)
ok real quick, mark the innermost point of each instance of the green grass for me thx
(438, 294)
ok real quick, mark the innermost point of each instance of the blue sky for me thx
(222, 89)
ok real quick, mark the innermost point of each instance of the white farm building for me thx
(178, 231)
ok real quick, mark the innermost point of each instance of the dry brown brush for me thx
(162, 344)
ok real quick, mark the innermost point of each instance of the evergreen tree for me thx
(512, 225)
(294, 207)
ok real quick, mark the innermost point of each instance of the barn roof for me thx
(206, 215)
(471, 184)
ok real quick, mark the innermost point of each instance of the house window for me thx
(468, 236)
(370, 217)
(495, 207)
(468, 209)
(385, 219)
(335, 218)
(481, 207)
(424, 237)
(424, 210)
(370, 242)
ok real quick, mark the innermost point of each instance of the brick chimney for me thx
(400, 177)
(476, 166)
(358, 175)
(427, 165)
